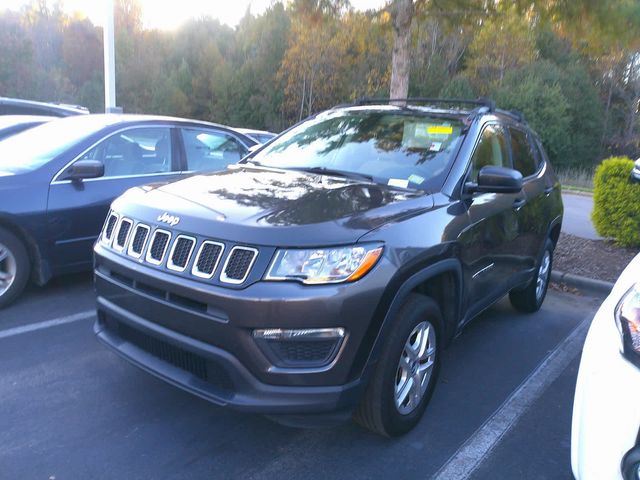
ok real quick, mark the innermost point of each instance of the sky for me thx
(165, 14)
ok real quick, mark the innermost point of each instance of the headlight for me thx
(628, 320)
(324, 265)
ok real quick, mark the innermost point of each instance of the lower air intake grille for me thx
(139, 238)
(181, 252)
(206, 370)
(207, 259)
(238, 264)
(165, 351)
(111, 224)
(158, 246)
(123, 233)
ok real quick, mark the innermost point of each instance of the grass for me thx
(579, 179)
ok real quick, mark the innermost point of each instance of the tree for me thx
(544, 106)
(81, 51)
(459, 87)
(438, 47)
(402, 15)
(258, 93)
(16, 61)
(503, 43)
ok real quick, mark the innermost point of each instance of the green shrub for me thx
(458, 87)
(616, 202)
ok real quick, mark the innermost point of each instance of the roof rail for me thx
(483, 102)
(515, 114)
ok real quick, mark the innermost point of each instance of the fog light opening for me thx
(300, 348)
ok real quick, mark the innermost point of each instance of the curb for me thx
(582, 283)
(578, 193)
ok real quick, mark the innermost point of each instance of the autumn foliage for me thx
(573, 68)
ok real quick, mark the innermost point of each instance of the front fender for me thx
(388, 309)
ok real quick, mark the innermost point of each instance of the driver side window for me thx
(491, 150)
(138, 151)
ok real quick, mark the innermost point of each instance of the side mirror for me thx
(496, 180)
(83, 169)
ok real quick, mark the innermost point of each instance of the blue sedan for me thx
(57, 181)
(13, 124)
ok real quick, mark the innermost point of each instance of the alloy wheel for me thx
(8, 269)
(415, 368)
(543, 275)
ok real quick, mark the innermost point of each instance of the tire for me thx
(378, 410)
(530, 299)
(15, 267)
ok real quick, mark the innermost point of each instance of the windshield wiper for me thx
(336, 173)
(252, 162)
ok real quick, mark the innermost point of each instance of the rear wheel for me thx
(14, 267)
(531, 297)
(405, 376)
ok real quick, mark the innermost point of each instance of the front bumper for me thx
(606, 417)
(198, 337)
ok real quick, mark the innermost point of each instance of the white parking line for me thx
(12, 332)
(477, 447)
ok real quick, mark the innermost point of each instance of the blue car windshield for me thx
(31, 149)
(395, 147)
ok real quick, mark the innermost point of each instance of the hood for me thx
(275, 207)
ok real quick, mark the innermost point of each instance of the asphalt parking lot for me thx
(70, 409)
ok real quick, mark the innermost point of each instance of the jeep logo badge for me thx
(170, 219)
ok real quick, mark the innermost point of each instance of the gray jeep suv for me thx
(323, 275)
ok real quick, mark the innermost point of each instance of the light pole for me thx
(109, 61)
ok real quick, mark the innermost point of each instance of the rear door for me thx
(77, 209)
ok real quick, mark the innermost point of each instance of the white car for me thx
(606, 410)
(635, 173)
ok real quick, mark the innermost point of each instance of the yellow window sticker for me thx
(440, 129)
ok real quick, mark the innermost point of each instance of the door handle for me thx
(548, 190)
(519, 203)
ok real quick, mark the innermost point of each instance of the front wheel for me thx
(14, 267)
(405, 376)
(531, 297)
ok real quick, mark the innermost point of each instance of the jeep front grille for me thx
(140, 235)
(180, 253)
(158, 246)
(123, 234)
(207, 259)
(238, 264)
(109, 227)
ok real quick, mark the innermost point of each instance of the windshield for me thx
(32, 148)
(400, 149)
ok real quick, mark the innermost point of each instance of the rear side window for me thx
(542, 154)
(210, 149)
(491, 150)
(524, 159)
